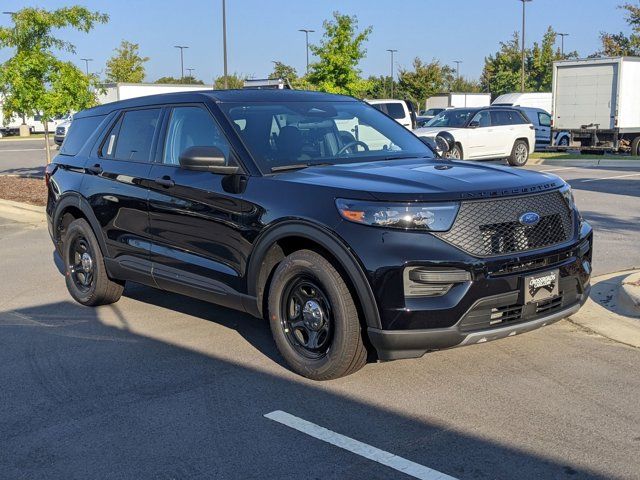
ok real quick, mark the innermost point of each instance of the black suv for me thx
(319, 213)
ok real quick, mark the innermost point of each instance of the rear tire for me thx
(85, 272)
(635, 147)
(313, 318)
(519, 154)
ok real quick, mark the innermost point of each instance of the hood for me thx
(420, 179)
(433, 131)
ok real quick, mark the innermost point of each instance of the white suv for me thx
(401, 111)
(485, 133)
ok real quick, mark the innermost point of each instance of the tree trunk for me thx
(46, 141)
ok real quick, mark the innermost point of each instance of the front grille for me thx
(485, 228)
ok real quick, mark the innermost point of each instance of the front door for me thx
(197, 218)
(480, 137)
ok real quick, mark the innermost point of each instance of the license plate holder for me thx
(541, 286)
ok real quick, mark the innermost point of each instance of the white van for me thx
(530, 99)
(400, 110)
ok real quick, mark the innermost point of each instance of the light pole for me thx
(562, 35)
(224, 42)
(391, 51)
(306, 35)
(523, 30)
(181, 47)
(457, 62)
(190, 72)
(86, 64)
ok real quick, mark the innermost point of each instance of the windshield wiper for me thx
(298, 166)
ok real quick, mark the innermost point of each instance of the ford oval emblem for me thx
(529, 219)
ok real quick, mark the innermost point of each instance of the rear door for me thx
(116, 186)
(585, 95)
(197, 218)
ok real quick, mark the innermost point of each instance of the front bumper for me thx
(397, 344)
(411, 326)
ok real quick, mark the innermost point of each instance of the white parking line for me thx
(359, 448)
(558, 169)
(23, 150)
(610, 178)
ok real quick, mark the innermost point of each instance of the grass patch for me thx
(578, 156)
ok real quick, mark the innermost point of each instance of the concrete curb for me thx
(603, 315)
(21, 212)
(629, 294)
(585, 162)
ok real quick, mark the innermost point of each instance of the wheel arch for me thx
(75, 206)
(273, 245)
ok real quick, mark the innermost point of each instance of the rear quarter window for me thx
(395, 110)
(79, 132)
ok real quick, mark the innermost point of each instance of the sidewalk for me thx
(21, 212)
(606, 311)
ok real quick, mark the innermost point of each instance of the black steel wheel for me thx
(314, 319)
(306, 317)
(86, 275)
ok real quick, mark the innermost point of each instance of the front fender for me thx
(330, 242)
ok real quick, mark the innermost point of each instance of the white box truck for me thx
(458, 100)
(112, 92)
(598, 102)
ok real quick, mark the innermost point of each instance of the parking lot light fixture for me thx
(457, 62)
(306, 36)
(181, 47)
(86, 64)
(391, 51)
(524, 2)
(562, 35)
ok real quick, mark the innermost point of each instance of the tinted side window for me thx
(395, 110)
(192, 127)
(132, 136)
(483, 119)
(500, 117)
(79, 132)
(381, 106)
(544, 119)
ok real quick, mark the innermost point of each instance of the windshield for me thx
(305, 133)
(451, 118)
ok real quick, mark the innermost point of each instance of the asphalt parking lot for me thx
(163, 386)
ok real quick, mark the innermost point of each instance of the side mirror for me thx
(206, 159)
(474, 124)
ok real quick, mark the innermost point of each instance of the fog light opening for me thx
(423, 282)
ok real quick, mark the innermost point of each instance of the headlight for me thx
(568, 196)
(434, 217)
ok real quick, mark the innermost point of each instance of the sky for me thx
(262, 31)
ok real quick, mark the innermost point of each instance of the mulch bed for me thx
(27, 190)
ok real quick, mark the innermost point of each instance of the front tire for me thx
(635, 147)
(519, 154)
(455, 153)
(313, 318)
(85, 272)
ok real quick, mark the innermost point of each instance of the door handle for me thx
(165, 182)
(96, 169)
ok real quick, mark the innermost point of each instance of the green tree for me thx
(234, 80)
(380, 87)
(126, 65)
(282, 70)
(33, 81)
(173, 80)
(339, 54)
(501, 73)
(424, 80)
(619, 44)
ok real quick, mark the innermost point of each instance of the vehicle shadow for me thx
(26, 172)
(254, 330)
(615, 186)
(83, 398)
